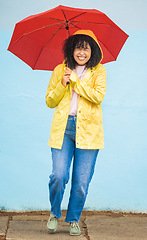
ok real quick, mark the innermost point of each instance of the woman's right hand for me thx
(66, 77)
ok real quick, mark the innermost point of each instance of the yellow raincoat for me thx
(91, 90)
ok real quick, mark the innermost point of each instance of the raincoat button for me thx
(79, 111)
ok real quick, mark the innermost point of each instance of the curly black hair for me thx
(79, 40)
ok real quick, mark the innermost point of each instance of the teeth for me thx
(81, 58)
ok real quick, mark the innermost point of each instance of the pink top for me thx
(80, 72)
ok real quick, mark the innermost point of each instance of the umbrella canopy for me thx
(38, 39)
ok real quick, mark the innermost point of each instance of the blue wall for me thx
(120, 178)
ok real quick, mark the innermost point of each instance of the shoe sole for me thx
(72, 234)
(75, 234)
(52, 230)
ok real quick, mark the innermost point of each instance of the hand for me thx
(66, 77)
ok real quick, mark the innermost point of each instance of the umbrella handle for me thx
(68, 84)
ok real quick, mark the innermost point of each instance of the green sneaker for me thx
(75, 229)
(52, 223)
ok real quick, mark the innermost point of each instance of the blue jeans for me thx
(83, 169)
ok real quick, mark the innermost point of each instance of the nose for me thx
(82, 51)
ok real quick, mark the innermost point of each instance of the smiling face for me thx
(82, 54)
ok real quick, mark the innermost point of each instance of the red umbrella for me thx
(38, 39)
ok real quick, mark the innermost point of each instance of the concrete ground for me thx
(95, 225)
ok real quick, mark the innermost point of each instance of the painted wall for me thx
(120, 178)
(25, 160)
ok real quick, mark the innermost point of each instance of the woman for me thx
(76, 88)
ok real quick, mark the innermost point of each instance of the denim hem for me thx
(56, 215)
(72, 221)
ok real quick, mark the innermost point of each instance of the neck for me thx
(80, 66)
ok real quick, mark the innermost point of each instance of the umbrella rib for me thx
(114, 26)
(55, 24)
(95, 23)
(45, 45)
(64, 15)
(77, 16)
(74, 25)
(59, 20)
(35, 31)
(106, 48)
(67, 27)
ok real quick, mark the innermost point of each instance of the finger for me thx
(66, 74)
(68, 70)
(68, 80)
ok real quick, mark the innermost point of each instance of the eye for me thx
(86, 49)
(77, 48)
